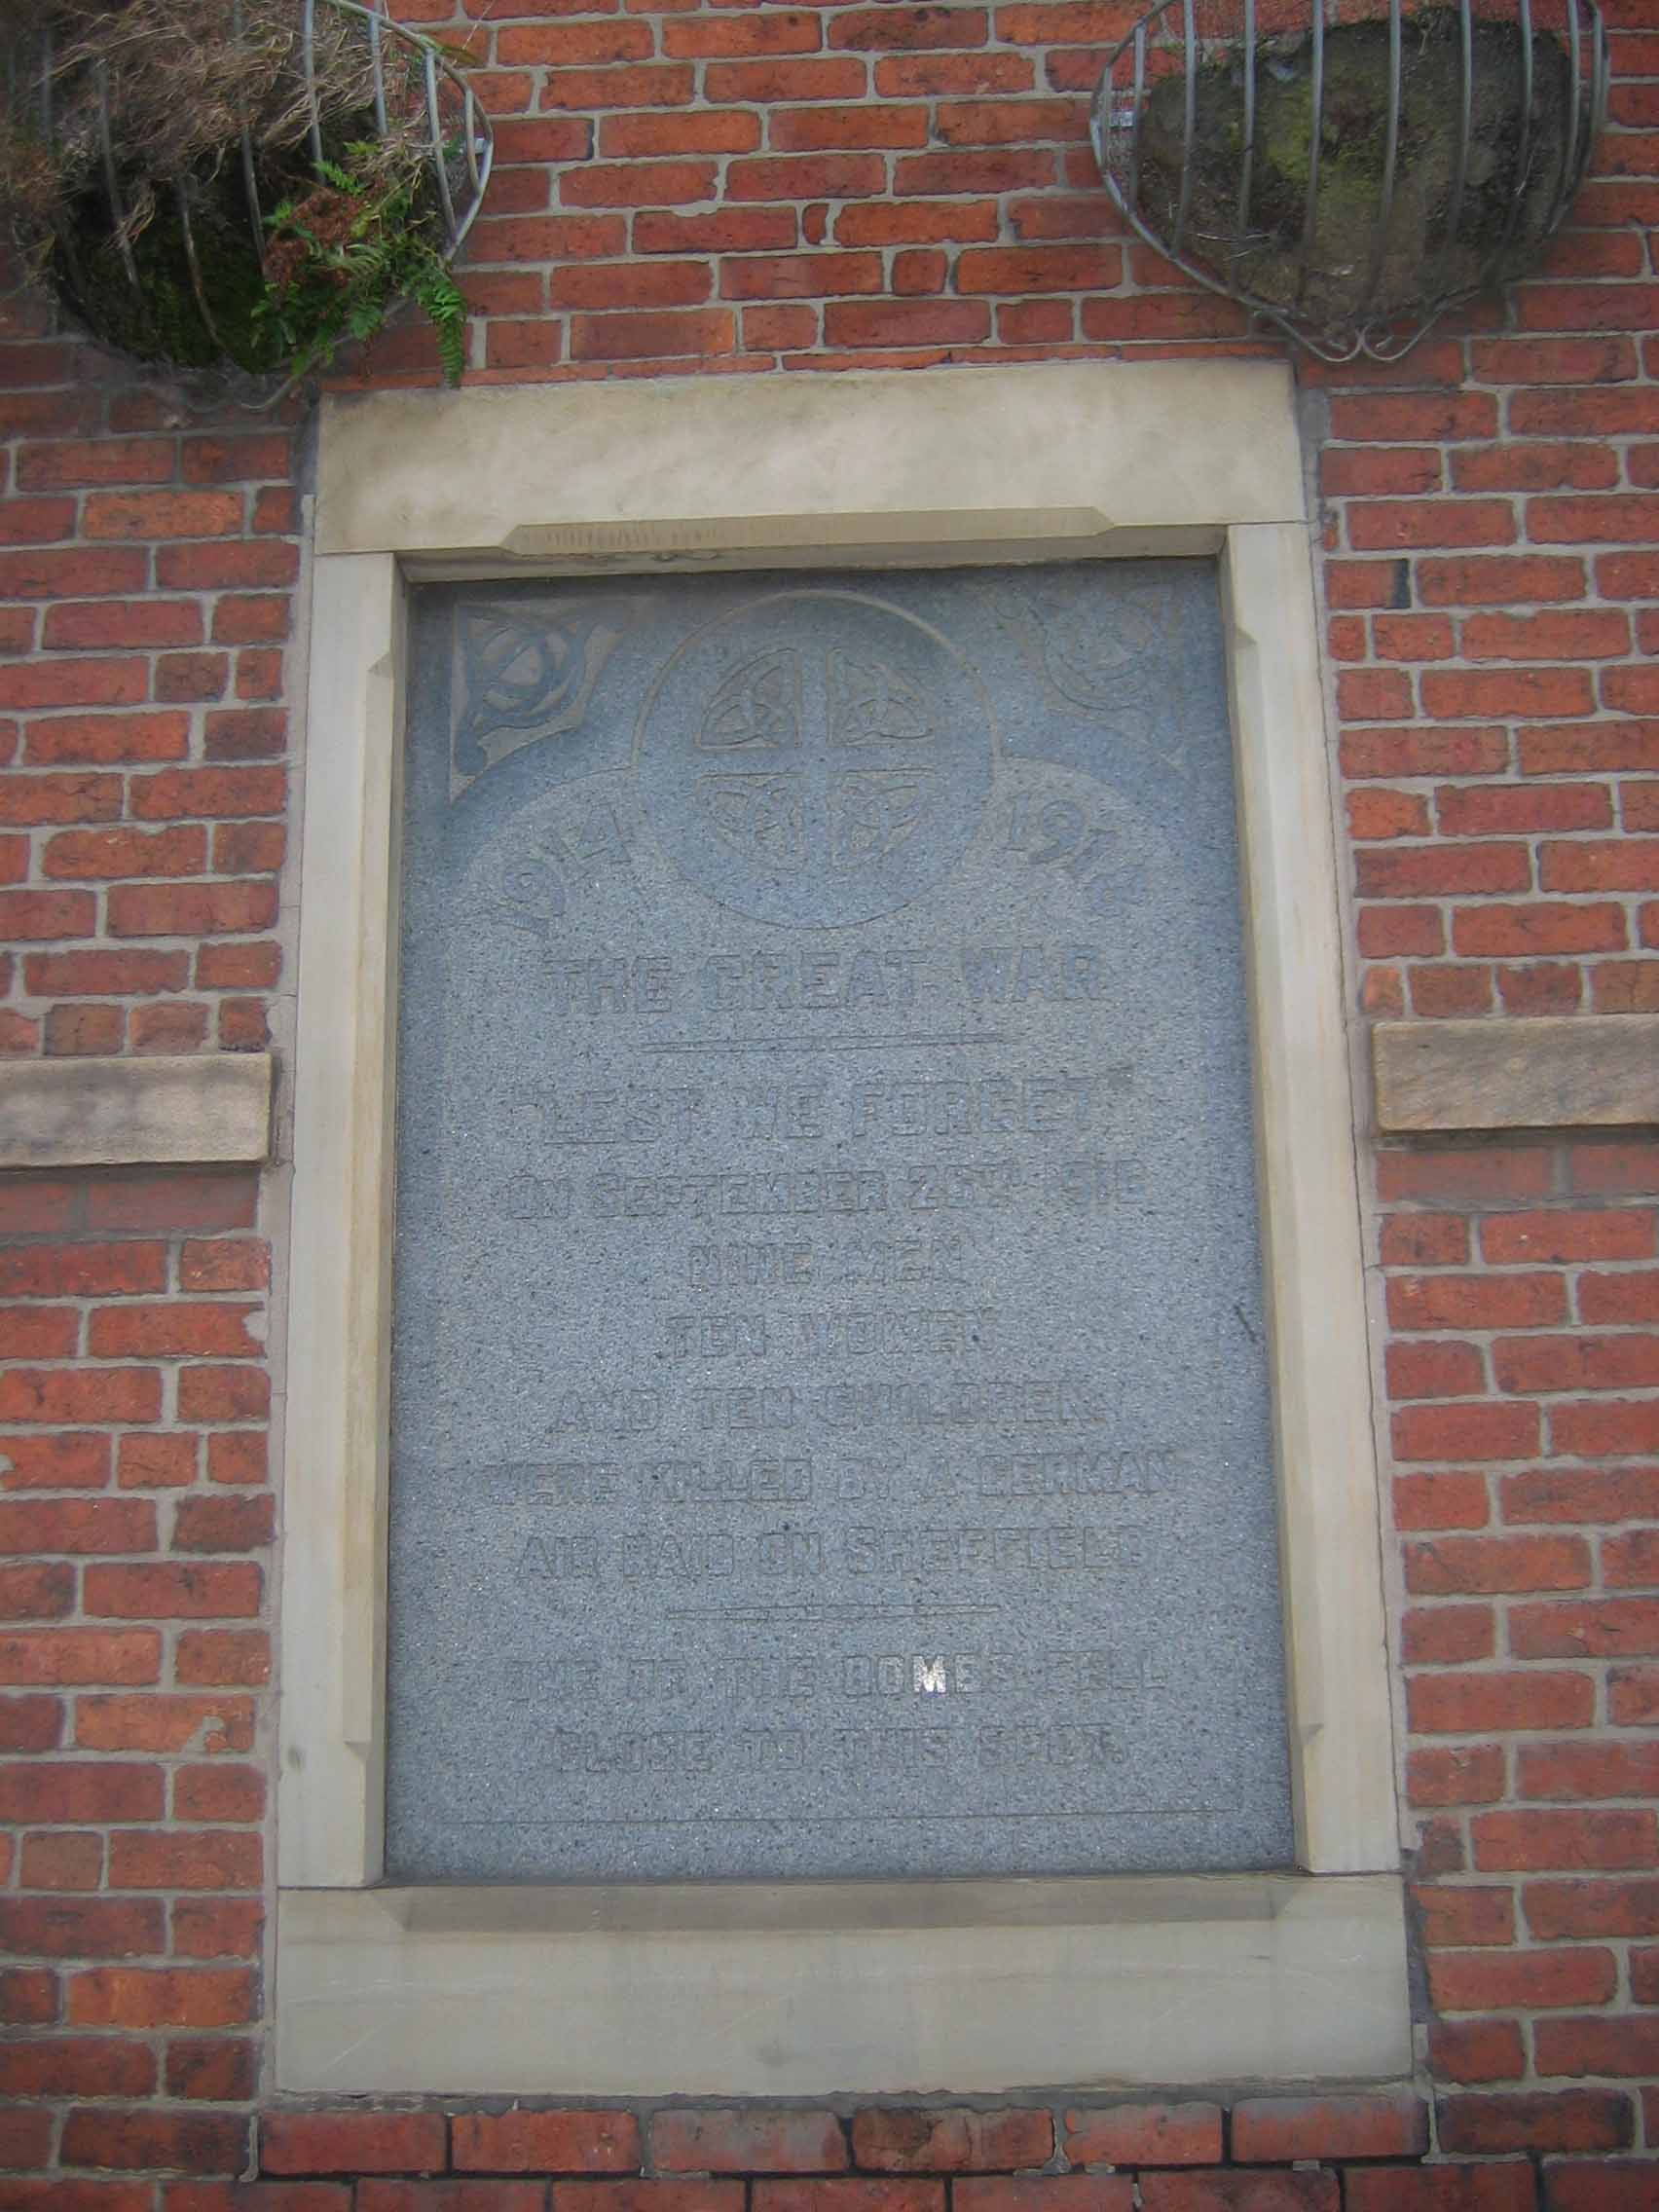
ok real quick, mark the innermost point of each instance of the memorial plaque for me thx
(831, 1425)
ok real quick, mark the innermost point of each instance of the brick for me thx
(1043, 2192)
(1577, 1363)
(76, 2193)
(36, 1592)
(1536, 693)
(28, 1996)
(30, 1723)
(1514, 466)
(906, 322)
(238, 1456)
(62, 1859)
(1581, 1495)
(649, 2195)
(913, 2139)
(80, 1525)
(216, 1928)
(112, 1722)
(1604, 2186)
(235, 1657)
(1025, 268)
(172, 1860)
(1499, 580)
(996, 170)
(849, 2194)
(1372, 694)
(1628, 517)
(89, 1792)
(226, 567)
(204, 1201)
(351, 2142)
(1575, 1771)
(189, 2142)
(1466, 1431)
(1632, 1562)
(661, 336)
(170, 1591)
(1464, 1704)
(63, 1461)
(1614, 1169)
(1532, 1300)
(221, 1790)
(1440, 1776)
(63, 1396)
(927, 76)
(730, 2140)
(26, 800)
(1537, 1840)
(1537, 2122)
(1264, 2191)
(1473, 2051)
(136, 625)
(1627, 2045)
(1181, 2134)
(76, 2066)
(222, 2068)
(1505, 2188)
(1507, 810)
(1268, 2130)
(642, 184)
(223, 1393)
(800, 275)
(235, 1523)
(1561, 1237)
(81, 1928)
(1434, 1370)
(1389, 524)
(1442, 870)
(180, 1328)
(1535, 1980)
(1448, 1499)
(1585, 1629)
(1445, 1634)
(1629, 864)
(70, 1656)
(71, 1029)
(1450, 1916)
(82, 1271)
(1466, 1566)
(1595, 1430)
(451, 2196)
(521, 2142)
(868, 125)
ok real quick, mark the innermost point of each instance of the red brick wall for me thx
(760, 190)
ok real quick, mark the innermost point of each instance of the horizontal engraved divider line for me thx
(820, 1611)
(841, 1819)
(814, 1044)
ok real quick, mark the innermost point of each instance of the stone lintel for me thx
(1548, 1072)
(188, 1108)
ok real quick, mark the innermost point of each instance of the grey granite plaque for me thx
(831, 1427)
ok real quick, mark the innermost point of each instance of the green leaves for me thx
(341, 258)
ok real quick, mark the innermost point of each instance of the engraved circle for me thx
(815, 757)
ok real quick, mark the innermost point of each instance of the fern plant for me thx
(343, 255)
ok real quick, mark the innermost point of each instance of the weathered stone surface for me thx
(191, 1107)
(830, 1429)
(1518, 1072)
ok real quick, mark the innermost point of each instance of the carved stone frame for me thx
(793, 1989)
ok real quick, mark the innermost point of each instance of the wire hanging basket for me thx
(1350, 169)
(158, 190)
